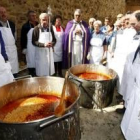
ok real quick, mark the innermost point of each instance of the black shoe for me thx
(121, 110)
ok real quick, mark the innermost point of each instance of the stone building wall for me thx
(17, 9)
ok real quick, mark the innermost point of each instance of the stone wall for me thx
(17, 9)
(132, 5)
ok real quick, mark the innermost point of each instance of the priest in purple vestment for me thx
(76, 41)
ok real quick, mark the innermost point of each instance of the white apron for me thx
(96, 51)
(30, 55)
(131, 121)
(77, 47)
(10, 47)
(44, 61)
(110, 51)
(58, 46)
(6, 75)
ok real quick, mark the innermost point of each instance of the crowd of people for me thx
(49, 48)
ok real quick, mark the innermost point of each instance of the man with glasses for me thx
(76, 41)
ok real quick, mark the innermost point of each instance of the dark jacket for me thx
(35, 36)
(24, 31)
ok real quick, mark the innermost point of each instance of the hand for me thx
(112, 54)
(8, 65)
(24, 51)
(49, 44)
(78, 32)
(88, 56)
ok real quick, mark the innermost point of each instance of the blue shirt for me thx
(109, 37)
(103, 29)
(3, 51)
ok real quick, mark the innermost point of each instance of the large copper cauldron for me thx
(94, 93)
(49, 128)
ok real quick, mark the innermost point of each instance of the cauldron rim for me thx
(45, 118)
(92, 80)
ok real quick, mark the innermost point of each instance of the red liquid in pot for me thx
(94, 76)
(29, 109)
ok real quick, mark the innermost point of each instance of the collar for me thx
(137, 36)
(75, 22)
(43, 29)
(4, 24)
(138, 33)
(58, 28)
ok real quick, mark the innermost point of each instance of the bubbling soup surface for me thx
(94, 76)
(29, 108)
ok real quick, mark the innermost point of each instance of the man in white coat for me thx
(122, 41)
(7, 28)
(44, 40)
(130, 88)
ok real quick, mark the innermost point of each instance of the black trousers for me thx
(58, 68)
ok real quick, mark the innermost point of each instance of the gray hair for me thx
(137, 15)
(42, 15)
(98, 22)
(92, 19)
(77, 11)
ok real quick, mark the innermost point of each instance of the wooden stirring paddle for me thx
(60, 109)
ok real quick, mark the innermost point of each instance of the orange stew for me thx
(94, 76)
(29, 109)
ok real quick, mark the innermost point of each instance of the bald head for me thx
(77, 11)
(3, 14)
(77, 15)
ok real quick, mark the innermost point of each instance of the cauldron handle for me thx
(23, 77)
(81, 85)
(46, 124)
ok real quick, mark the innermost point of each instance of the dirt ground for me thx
(97, 125)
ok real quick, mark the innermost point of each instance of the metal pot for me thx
(94, 93)
(50, 128)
